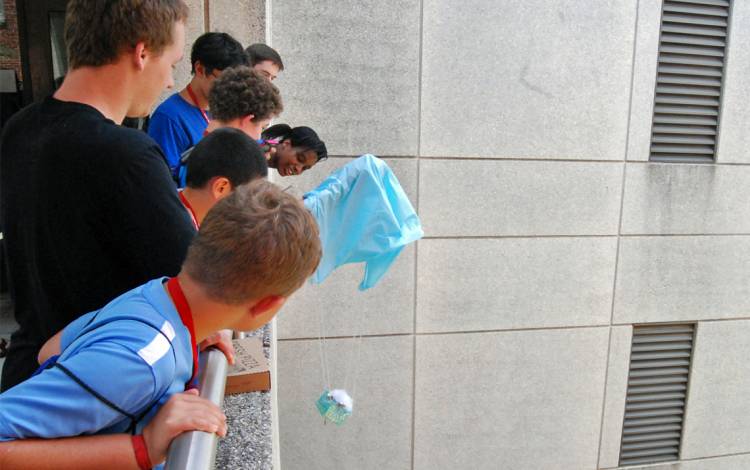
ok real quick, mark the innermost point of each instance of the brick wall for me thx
(10, 53)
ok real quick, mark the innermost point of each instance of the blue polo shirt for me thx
(124, 354)
(176, 125)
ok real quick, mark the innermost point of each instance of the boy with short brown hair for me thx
(96, 32)
(255, 248)
(265, 60)
(88, 208)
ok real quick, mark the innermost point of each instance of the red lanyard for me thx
(180, 302)
(195, 101)
(189, 209)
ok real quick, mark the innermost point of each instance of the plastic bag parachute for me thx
(364, 216)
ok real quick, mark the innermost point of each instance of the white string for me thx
(322, 350)
(354, 364)
(356, 373)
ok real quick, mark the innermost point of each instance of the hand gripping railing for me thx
(196, 450)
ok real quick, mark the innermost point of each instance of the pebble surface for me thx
(248, 444)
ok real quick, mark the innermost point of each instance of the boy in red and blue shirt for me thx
(117, 366)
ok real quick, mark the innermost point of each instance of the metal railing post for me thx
(196, 450)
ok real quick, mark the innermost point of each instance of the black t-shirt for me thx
(88, 211)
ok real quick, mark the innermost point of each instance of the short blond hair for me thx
(257, 242)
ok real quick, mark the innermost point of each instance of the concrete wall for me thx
(521, 132)
(245, 20)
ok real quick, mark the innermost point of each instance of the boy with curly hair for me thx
(241, 99)
(244, 99)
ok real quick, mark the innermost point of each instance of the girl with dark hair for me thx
(293, 150)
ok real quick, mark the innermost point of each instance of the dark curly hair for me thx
(240, 91)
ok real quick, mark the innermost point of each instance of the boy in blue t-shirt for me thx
(181, 120)
(118, 365)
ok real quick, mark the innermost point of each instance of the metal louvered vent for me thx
(657, 390)
(689, 76)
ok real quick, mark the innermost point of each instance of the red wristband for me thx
(141, 453)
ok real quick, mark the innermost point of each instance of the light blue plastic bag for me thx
(364, 216)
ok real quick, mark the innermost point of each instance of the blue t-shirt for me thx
(122, 354)
(176, 125)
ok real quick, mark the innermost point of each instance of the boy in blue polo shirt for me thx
(181, 120)
(120, 364)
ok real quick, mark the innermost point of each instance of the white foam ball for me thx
(343, 399)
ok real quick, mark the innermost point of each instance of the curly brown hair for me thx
(241, 91)
(257, 242)
(98, 31)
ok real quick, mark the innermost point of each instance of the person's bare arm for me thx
(222, 340)
(87, 452)
(183, 412)
(50, 348)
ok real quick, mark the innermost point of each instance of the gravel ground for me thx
(248, 444)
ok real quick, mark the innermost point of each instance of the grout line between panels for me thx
(673, 462)
(549, 160)
(619, 233)
(693, 320)
(416, 245)
(634, 235)
(448, 333)
(509, 330)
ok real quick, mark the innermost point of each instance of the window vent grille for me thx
(689, 77)
(657, 391)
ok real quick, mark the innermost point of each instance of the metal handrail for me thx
(196, 450)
